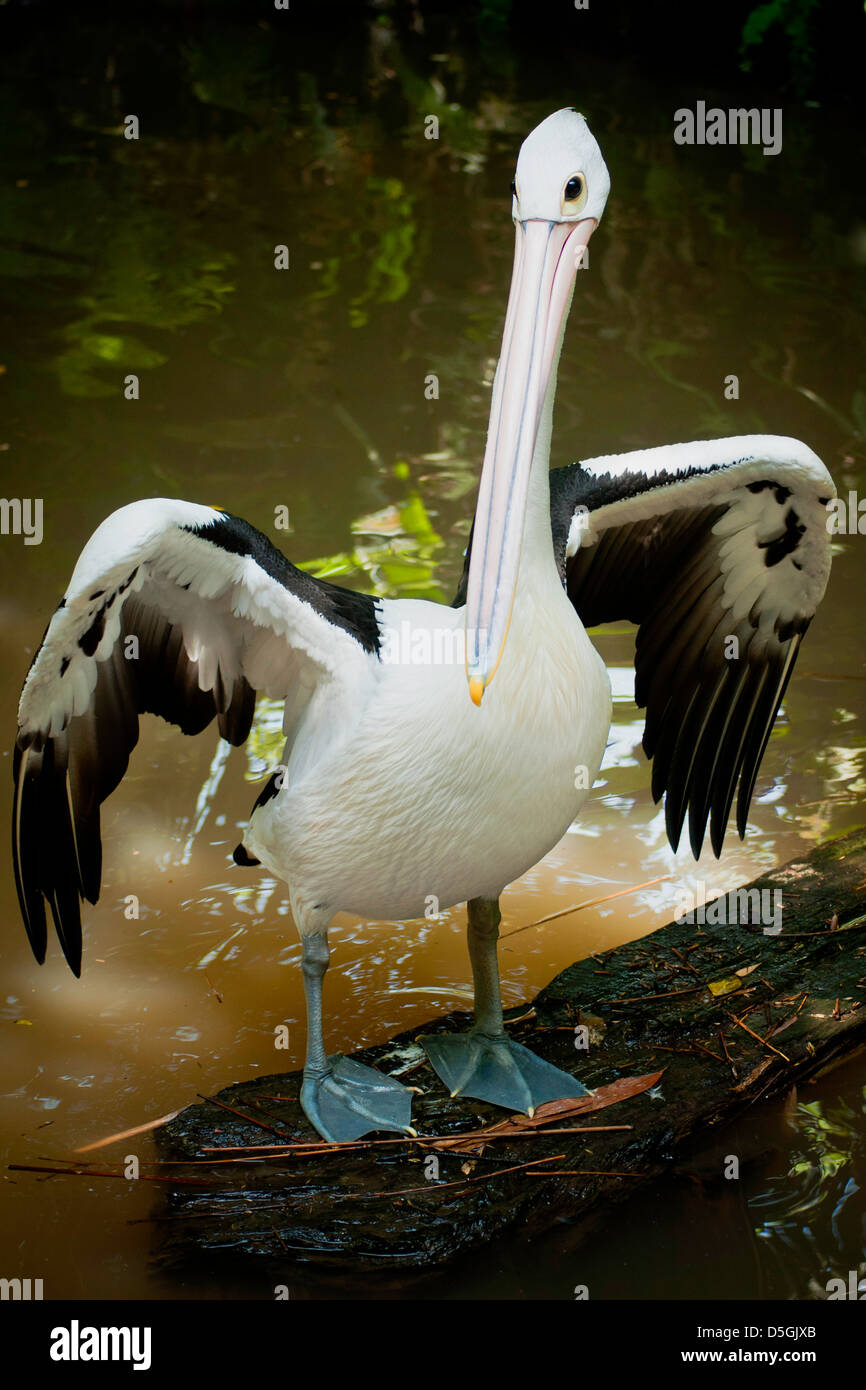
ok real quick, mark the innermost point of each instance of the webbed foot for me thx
(349, 1100)
(495, 1069)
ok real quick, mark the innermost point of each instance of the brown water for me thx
(306, 388)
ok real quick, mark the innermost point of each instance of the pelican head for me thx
(559, 192)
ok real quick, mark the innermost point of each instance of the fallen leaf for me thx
(726, 986)
(600, 1099)
(753, 1075)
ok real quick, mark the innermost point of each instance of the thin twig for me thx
(128, 1133)
(264, 1110)
(250, 1119)
(642, 998)
(856, 924)
(100, 1173)
(460, 1182)
(474, 1135)
(763, 1041)
(586, 1173)
(685, 962)
(590, 902)
(483, 1137)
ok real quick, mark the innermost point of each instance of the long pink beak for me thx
(546, 258)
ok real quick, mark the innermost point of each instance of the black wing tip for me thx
(67, 924)
(44, 849)
(73, 960)
(32, 905)
(38, 943)
(673, 824)
(753, 745)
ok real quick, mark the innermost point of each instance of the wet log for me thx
(729, 1014)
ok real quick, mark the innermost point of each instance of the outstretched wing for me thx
(183, 611)
(719, 551)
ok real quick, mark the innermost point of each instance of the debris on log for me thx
(685, 1028)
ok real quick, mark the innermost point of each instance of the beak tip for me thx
(476, 689)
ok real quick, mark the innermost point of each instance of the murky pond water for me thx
(305, 389)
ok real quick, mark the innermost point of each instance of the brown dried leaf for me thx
(611, 1094)
(754, 1075)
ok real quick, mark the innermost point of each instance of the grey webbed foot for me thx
(495, 1069)
(349, 1100)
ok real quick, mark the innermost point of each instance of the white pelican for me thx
(398, 783)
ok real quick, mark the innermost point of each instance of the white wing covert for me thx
(179, 610)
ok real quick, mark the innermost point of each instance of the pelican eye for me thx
(514, 190)
(574, 194)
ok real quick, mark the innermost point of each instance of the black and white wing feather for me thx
(182, 611)
(719, 551)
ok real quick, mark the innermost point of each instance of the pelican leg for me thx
(484, 1062)
(342, 1098)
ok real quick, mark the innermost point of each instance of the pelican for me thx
(445, 778)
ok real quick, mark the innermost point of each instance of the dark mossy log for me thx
(728, 1013)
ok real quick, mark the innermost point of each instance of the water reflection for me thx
(810, 1211)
